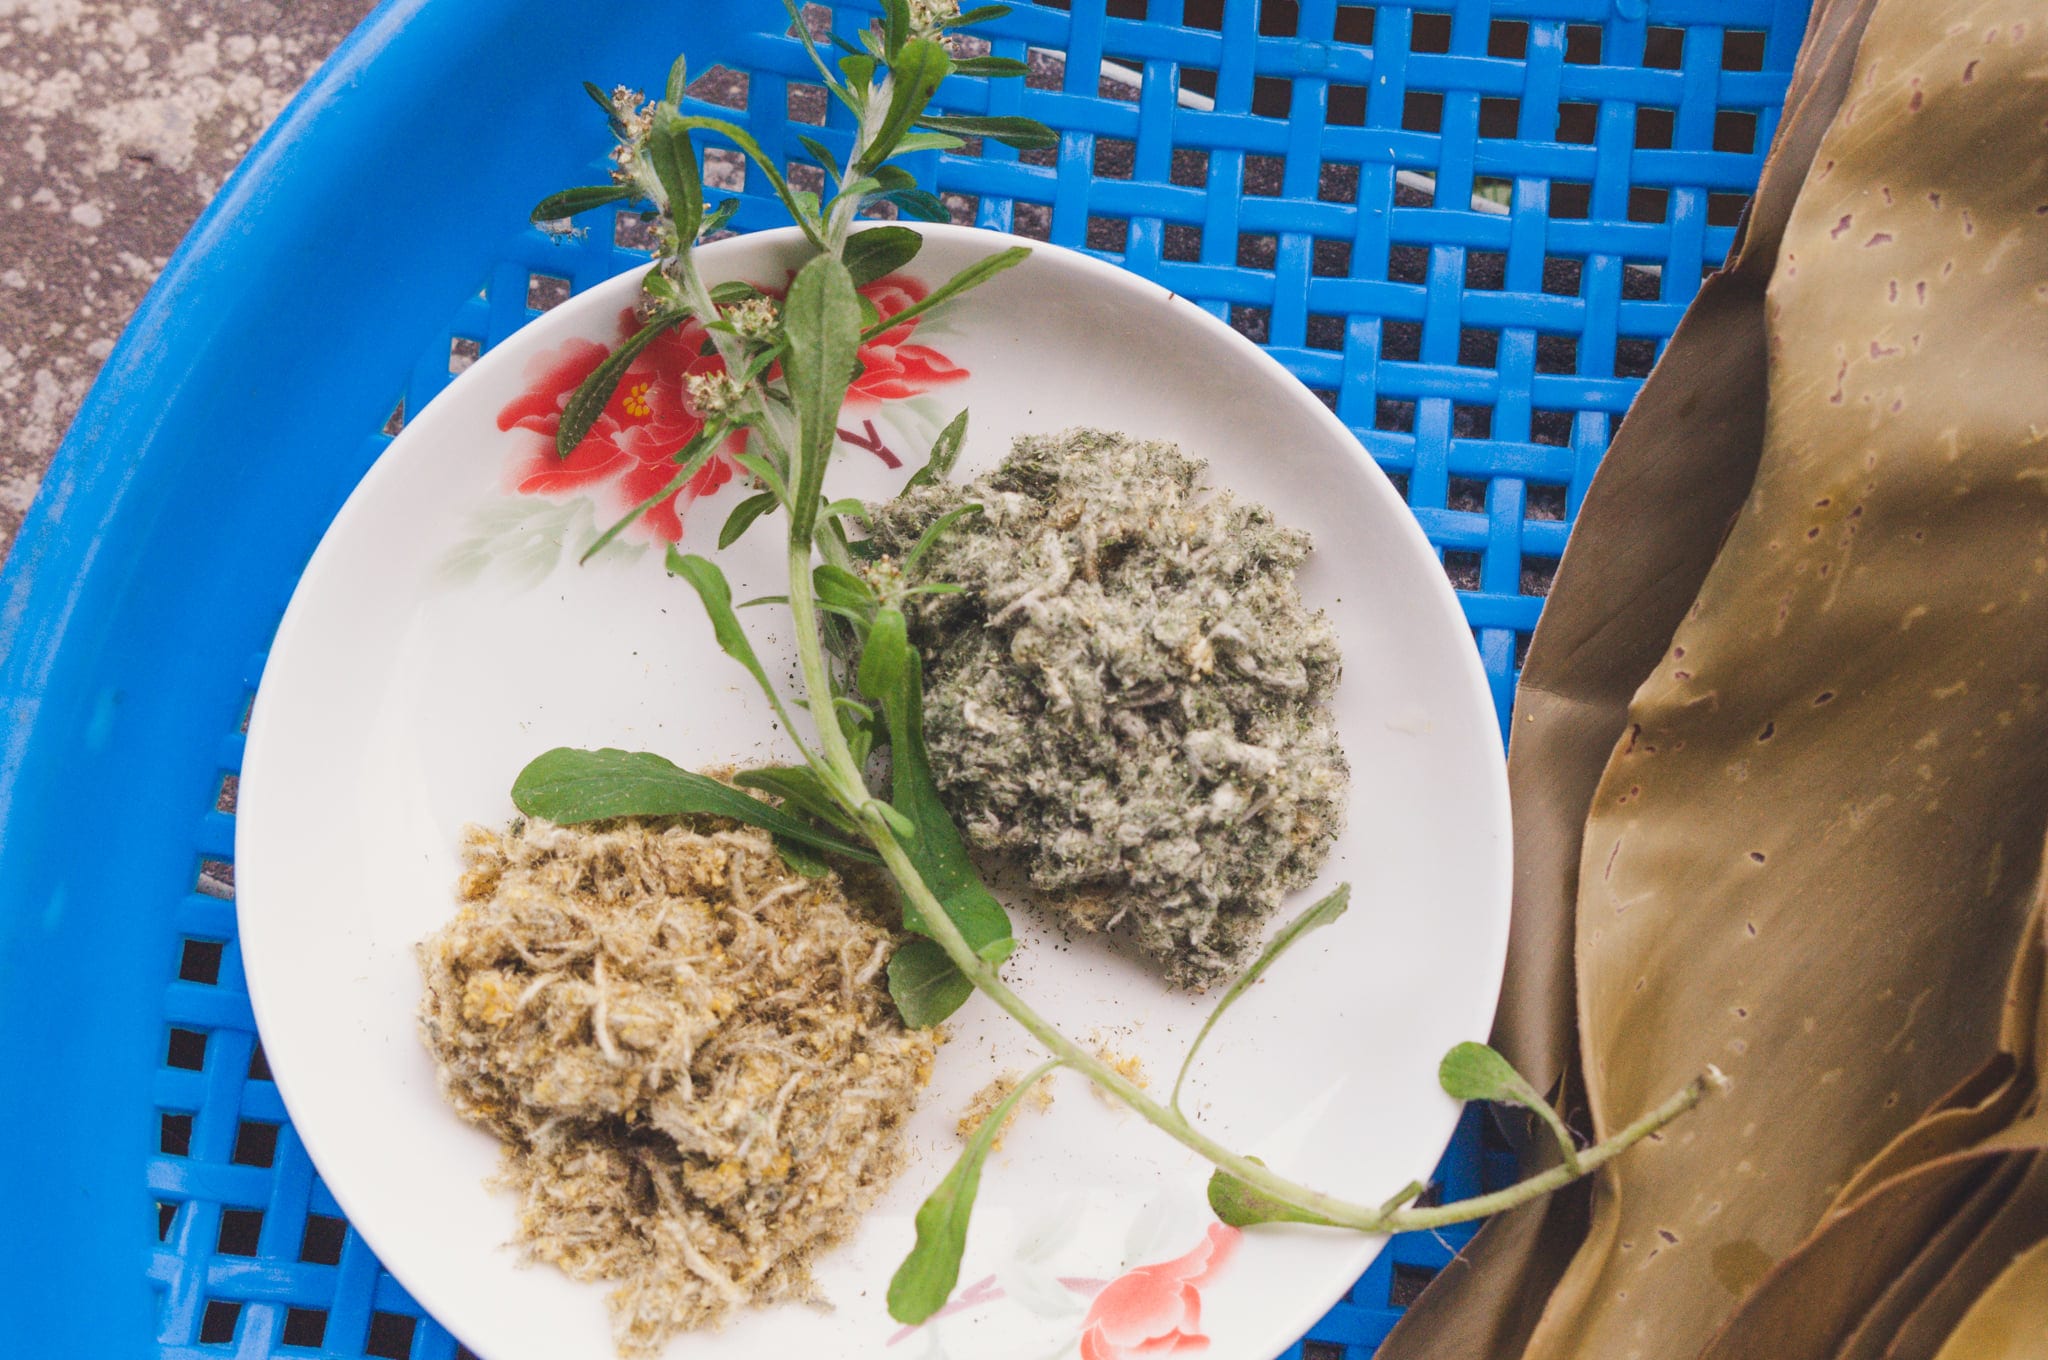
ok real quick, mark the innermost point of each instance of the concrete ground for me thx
(117, 124)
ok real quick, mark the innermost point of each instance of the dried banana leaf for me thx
(1811, 855)
(2010, 1322)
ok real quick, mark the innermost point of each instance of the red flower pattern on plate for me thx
(628, 454)
(1156, 1309)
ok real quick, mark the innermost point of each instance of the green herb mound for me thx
(1127, 693)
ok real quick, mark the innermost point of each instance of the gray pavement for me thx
(117, 124)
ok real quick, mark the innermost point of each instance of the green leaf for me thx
(928, 141)
(604, 101)
(678, 81)
(1314, 918)
(744, 140)
(925, 985)
(675, 164)
(945, 453)
(1025, 134)
(803, 33)
(1472, 1071)
(712, 587)
(569, 786)
(716, 219)
(893, 177)
(934, 529)
(915, 73)
(587, 403)
(891, 674)
(846, 507)
(734, 291)
(895, 27)
(569, 202)
(695, 455)
(989, 66)
(926, 1278)
(766, 472)
(979, 16)
(821, 153)
(972, 276)
(800, 859)
(800, 787)
(822, 320)
(743, 516)
(836, 585)
(859, 69)
(1240, 1205)
(924, 206)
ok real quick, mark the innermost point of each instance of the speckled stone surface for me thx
(117, 124)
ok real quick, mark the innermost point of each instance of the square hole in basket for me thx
(1407, 264)
(1330, 259)
(1640, 281)
(187, 1050)
(1486, 269)
(1549, 427)
(1647, 204)
(1725, 210)
(1735, 130)
(804, 176)
(305, 1327)
(1499, 116)
(1253, 323)
(166, 1215)
(1045, 157)
(1582, 44)
(393, 423)
(1346, 106)
(1321, 1350)
(1033, 220)
(960, 208)
(634, 230)
(1546, 500)
(1407, 1284)
(1634, 355)
(1327, 396)
(259, 1066)
(1654, 127)
(1256, 250)
(322, 1242)
(391, 1335)
(1279, 18)
(1324, 331)
(1664, 48)
(462, 352)
(1471, 422)
(1272, 96)
(255, 1143)
(1400, 481)
(724, 169)
(1401, 341)
(1562, 274)
(240, 1230)
(1508, 38)
(1183, 244)
(1495, 190)
(1477, 348)
(1115, 157)
(1110, 234)
(806, 103)
(720, 85)
(1465, 493)
(1537, 574)
(544, 291)
(1124, 81)
(1397, 417)
(1557, 354)
(174, 1135)
(1203, 14)
(1463, 569)
(1190, 167)
(216, 879)
(1414, 189)
(1337, 182)
(1577, 122)
(200, 961)
(1354, 24)
(1570, 200)
(1263, 175)
(217, 1323)
(1429, 32)
(1742, 50)
(1422, 111)
(1045, 69)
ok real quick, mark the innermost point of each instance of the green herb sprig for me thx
(861, 677)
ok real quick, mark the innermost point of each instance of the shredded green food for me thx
(688, 1050)
(1128, 693)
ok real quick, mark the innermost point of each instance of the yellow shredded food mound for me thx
(995, 1093)
(688, 1050)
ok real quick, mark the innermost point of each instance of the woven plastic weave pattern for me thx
(1468, 229)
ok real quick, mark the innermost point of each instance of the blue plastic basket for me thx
(1468, 227)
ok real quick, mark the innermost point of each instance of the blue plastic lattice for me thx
(1469, 228)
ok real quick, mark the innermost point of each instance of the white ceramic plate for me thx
(443, 635)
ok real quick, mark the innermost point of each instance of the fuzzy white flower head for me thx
(713, 394)
(753, 319)
(927, 17)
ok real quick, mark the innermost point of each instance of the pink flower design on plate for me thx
(628, 454)
(1156, 1309)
